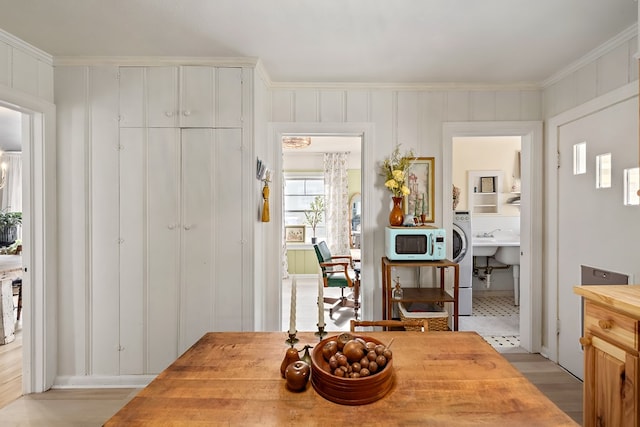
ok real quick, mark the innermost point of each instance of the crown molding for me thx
(143, 61)
(19, 44)
(590, 57)
(262, 72)
(453, 86)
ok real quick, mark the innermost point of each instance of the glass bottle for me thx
(396, 295)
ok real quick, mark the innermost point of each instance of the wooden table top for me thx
(441, 379)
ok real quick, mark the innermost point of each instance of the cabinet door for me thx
(197, 95)
(610, 385)
(162, 96)
(212, 232)
(163, 247)
(149, 249)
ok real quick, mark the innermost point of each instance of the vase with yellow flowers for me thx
(395, 169)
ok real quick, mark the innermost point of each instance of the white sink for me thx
(484, 246)
(509, 255)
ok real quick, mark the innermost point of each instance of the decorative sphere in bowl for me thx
(344, 389)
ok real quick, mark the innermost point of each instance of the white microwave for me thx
(415, 243)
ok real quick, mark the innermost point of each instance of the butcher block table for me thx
(441, 379)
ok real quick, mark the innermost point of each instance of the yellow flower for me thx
(395, 170)
(398, 175)
(391, 184)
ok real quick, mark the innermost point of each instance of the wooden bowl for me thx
(349, 391)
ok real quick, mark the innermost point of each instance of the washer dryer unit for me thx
(463, 256)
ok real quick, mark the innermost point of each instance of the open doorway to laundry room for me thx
(530, 220)
(319, 170)
(486, 174)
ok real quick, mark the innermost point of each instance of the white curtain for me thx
(336, 192)
(12, 191)
(285, 260)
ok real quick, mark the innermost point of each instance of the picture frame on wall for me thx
(488, 184)
(421, 181)
(294, 233)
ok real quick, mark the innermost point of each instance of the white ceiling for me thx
(393, 41)
(330, 41)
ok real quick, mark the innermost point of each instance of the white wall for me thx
(593, 84)
(411, 116)
(25, 68)
(487, 153)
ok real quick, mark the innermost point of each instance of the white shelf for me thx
(484, 202)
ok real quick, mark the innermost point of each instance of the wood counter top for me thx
(622, 298)
(440, 379)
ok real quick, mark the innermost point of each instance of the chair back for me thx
(323, 254)
(409, 324)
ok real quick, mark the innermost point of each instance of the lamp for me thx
(296, 141)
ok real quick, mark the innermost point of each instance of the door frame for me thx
(273, 261)
(39, 345)
(531, 133)
(551, 211)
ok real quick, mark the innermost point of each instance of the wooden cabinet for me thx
(181, 245)
(611, 359)
(484, 191)
(184, 96)
(417, 294)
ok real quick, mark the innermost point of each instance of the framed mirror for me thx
(355, 211)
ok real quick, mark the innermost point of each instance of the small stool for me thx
(17, 290)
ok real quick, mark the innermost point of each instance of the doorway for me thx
(320, 169)
(490, 302)
(530, 316)
(11, 353)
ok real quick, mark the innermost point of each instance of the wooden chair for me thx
(338, 272)
(409, 324)
(16, 286)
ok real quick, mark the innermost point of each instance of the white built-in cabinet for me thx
(180, 96)
(181, 241)
(181, 205)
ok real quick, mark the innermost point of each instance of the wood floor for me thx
(11, 369)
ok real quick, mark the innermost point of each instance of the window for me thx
(631, 187)
(299, 192)
(580, 158)
(603, 171)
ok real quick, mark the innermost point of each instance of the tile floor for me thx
(497, 319)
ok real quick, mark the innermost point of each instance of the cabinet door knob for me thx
(187, 227)
(187, 113)
(585, 341)
(168, 113)
(605, 324)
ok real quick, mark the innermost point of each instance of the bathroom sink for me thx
(509, 255)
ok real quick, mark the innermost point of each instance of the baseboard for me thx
(103, 381)
(304, 276)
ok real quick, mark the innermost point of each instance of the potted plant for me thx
(314, 215)
(9, 222)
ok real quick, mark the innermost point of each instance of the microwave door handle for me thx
(432, 245)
